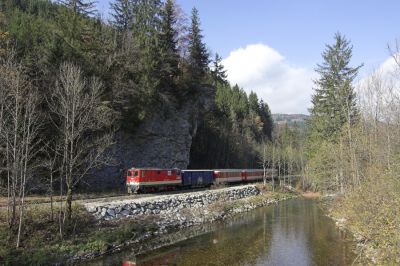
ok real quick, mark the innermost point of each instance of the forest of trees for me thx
(230, 136)
(352, 146)
(69, 80)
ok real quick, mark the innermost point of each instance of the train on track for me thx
(142, 180)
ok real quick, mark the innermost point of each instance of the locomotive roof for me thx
(195, 170)
(238, 170)
(198, 170)
(230, 170)
(150, 168)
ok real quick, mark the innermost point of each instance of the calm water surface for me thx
(293, 232)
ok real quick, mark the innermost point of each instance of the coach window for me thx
(142, 173)
(169, 173)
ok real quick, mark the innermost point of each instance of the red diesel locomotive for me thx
(153, 179)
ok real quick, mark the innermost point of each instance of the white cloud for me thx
(259, 68)
(379, 91)
(386, 76)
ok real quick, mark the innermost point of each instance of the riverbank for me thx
(292, 232)
(369, 220)
(91, 237)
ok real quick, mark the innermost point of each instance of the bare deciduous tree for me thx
(84, 126)
(20, 143)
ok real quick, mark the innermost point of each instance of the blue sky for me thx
(300, 29)
(294, 34)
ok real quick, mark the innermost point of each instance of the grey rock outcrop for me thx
(162, 141)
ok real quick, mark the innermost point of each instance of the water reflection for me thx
(294, 232)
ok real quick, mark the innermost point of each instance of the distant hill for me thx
(290, 119)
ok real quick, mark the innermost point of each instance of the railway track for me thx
(82, 199)
(38, 201)
(138, 196)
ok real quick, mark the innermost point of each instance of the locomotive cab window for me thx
(136, 173)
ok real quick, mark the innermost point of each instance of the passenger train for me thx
(154, 179)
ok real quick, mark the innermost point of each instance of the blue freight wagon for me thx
(197, 178)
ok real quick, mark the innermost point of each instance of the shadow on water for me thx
(293, 232)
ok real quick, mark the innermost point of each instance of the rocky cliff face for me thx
(163, 141)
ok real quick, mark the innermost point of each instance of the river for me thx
(293, 232)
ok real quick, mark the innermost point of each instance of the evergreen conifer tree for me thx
(83, 7)
(334, 100)
(198, 54)
(122, 13)
(266, 117)
(146, 33)
(253, 102)
(218, 73)
(168, 44)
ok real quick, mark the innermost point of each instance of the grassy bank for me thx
(87, 237)
(372, 213)
(43, 244)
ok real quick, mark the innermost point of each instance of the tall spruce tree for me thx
(266, 117)
(168, 44)
(147, 21)
(146, 33)
(334, 100)
(218, 73)
(253, 102)
(78, 34)
(122, 13)
(83, 7)
(198, 54)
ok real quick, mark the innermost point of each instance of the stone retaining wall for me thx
(169, 227)
(168, 204)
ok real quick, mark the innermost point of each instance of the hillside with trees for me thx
(72, 85)
(82, 98)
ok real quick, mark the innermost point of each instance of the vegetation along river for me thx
(293, 232)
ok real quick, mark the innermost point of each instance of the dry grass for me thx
(38, 199)
(373, 212)
(311, 195)
(41, 240)
(43, 245)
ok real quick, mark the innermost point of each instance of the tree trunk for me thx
(341, 174)
(21, 215)
(51, 197)
(273, 167)
(69, 204)
(61, 214)
(264, 165)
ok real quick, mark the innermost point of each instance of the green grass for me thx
(42, 243)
